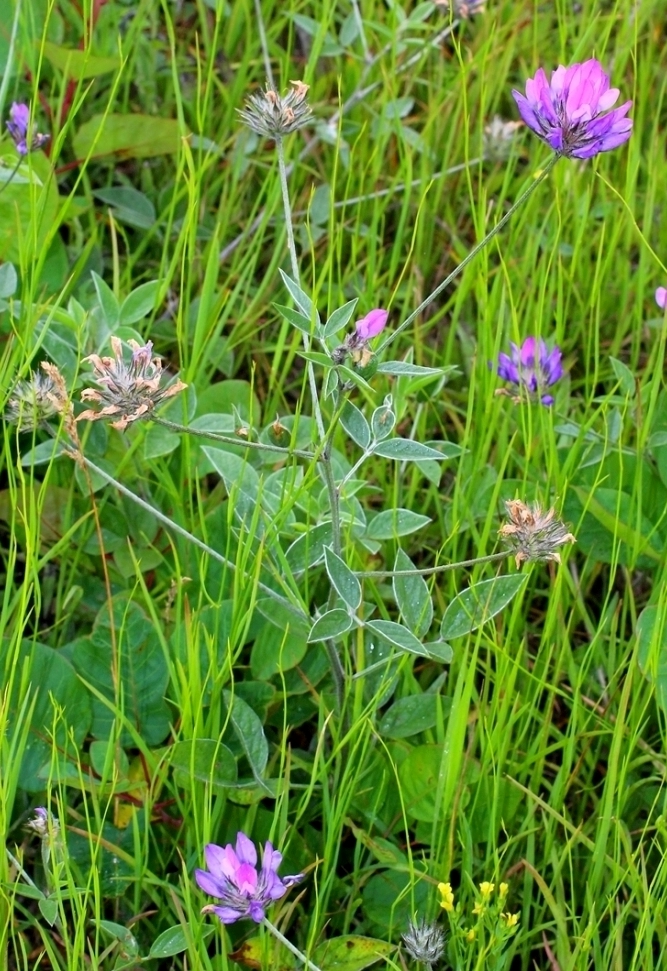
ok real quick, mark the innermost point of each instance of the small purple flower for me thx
(18, 127)
(532, 368)
(372, 324)
(571, 113)
(661, 297)
(233, 877)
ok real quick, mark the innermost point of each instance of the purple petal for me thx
(527, 352)
(507, 369)
(228, 914)
(221, 861)
(547, 399)
(292, 880)
(660, 299)
(271, 859)
(371, 325)
(256, 911)
(208, 883)
(245, 849)
(245, 879)
(19, 115)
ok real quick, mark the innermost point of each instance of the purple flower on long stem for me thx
(661, 297)
(571, 112)
(233, 877)
(532, 367)
(18, 127)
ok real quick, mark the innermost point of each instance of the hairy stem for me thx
(290, 947)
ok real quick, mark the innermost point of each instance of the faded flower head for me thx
(532, 534)
(273, 115)
(35, 400)
(661, 297)
(499, 137)
(462, 8)
(42, 822)
(424, 942)
(18, 127)
(233, 878)
(127, 390)
(532, 368)
(571, 112)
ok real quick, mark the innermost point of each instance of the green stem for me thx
(491, 558)
(290, 947)
(472, 254)
(231, 440)
(295, 276)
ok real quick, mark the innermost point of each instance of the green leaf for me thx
(107, 301)
(383, 420)
(613, 510)
(250, 734)
(304, 324)
(652, 652)
(240, 478)
(140, 303)
(396, 634)
(478, 604)
(624, 376)
(129, 206)
(395, 522)
(414, 370)
(43, 453)
(8, 280)
(420, 774)
(129, 136)
(412, 596)
(175, 939)
(346, 584)
(77, 64)
(308, 549)
(355, 424)
(331, 624)
(301, 299)
(277, 649)
(339, 318)
(410, 716)
(351, 953)
(404, 449)
(205, 760)
(28, 212)
(48, 907)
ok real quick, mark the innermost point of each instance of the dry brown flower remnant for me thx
(274, 115)
(533, 534)
(130, 390)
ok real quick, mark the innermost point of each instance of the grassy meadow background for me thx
(158, 687)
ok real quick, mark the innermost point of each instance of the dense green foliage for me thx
(171, 603)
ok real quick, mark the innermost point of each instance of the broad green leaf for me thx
(652, 653)
(383, 420)
(28, 211)
(412, 596)
(351, 953)
(613, 510)
(43, 453)
(8, 280)
(129, 206)
(308, 549)
(410, 716)
(297, 319)
(140, 303)
(420, 774)
(128, 136)
(391, 899)
(76, 64)
(250, 734)
(205, 760)
(478, 604)
(396, 634)
(395, 522)
(346, 584)
(241, 479)
(175, 939)
(331, 624)
(107, 301)
(404, 449)
(414, 370)
(355, 424)
(624, 376)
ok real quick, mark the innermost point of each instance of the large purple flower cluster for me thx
(571, 113)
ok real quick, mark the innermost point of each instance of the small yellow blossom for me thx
(479, 909)
(502, 890)
(447, 895)
(486, 889)
(471, 935)
(511, 920)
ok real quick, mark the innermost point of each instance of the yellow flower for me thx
(479, 909)
(486, 889)
(502, 890)
(447, 895)
(511, 920)
(471, 935)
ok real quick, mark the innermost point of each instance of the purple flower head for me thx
(372, 324)
(233, 877)
(532, 368)
(661, 297)
(571, 113)
(18, 127)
